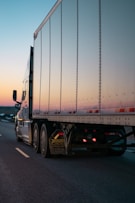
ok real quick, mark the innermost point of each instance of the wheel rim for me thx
(43, 143)
(36, 138)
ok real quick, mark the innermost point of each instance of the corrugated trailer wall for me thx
(118, 55)
(84, 58)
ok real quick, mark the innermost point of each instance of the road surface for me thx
(26, 177)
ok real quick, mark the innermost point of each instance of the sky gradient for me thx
(18, 22)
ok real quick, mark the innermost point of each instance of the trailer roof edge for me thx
(46, 18)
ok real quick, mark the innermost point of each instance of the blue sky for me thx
(18, 21)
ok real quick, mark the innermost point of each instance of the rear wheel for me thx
(44, 142)
(36, 137)
(118, 148)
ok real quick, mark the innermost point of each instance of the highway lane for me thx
(26, 177)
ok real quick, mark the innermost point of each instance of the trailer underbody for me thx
(51, 138)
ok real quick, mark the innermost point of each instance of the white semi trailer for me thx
(79, 87)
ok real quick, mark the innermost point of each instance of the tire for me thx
(18, 139)
(44, 142)
(36, 138)
(118, 150)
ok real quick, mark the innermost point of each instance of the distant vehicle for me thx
(2, 114)
(79, 87)
(7, 117)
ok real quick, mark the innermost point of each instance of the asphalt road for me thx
(27, 177)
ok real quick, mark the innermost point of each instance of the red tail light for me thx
(61, 133)
(84, 140)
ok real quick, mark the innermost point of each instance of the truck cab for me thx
(23, 116)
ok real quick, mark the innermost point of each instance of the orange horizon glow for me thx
(6, 95)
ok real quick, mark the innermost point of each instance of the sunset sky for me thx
(18, 21)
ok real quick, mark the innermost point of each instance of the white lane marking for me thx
(22, 153)
(130, 150)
